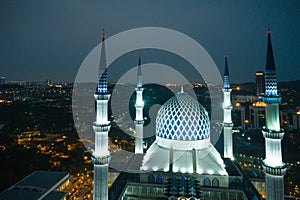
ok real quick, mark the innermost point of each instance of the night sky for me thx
(49, 39)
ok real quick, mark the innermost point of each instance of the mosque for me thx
(182, 163)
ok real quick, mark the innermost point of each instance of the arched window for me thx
(151, 178)
(159, 179)
(182, 181)
(215, 182)
(206, 182)
(182, 178)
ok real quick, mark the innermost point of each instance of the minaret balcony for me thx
(101, 97)
(276, 171)
(227, 89)
(226, 124)
(139, 105)
(267, 133)
(101, 160)
(228, 107)
(140, 122)
(101, 127)
(272, 99)
(139, 89)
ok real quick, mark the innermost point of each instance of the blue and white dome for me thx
(182, 118)
(183, 139)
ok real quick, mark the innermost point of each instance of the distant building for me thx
(290, 119)
(257, 114)
(40, 185)
(244, 98)
(2, 80)
(296, 120)
(240, 108)
(260, 83)
(49, 83)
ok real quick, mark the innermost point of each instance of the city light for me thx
(259, 104)
(237, 104)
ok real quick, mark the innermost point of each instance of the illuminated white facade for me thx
(227, 107)
(139, 105)
(101, 155)
(182, 142)
(273, 166)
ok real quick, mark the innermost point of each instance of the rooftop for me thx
(38, 185)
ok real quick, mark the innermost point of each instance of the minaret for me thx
(273, 166)
(139, 105)
(227, 123)
(101, 155)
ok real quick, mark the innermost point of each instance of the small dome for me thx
(182, 118)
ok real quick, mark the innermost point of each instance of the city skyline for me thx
(49, 40)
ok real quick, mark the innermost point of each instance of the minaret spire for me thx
(273, 166)
(270, 71)
(102, 73)
(139, 74)
(226, 74)
(227, 107)
(101, 154)
(139, 106)
(270, 64)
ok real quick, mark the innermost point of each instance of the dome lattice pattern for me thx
(182, 118)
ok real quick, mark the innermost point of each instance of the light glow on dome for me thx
(175, 169)
(183, 170)
(223, 173)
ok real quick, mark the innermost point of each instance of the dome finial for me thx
(181, 90)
